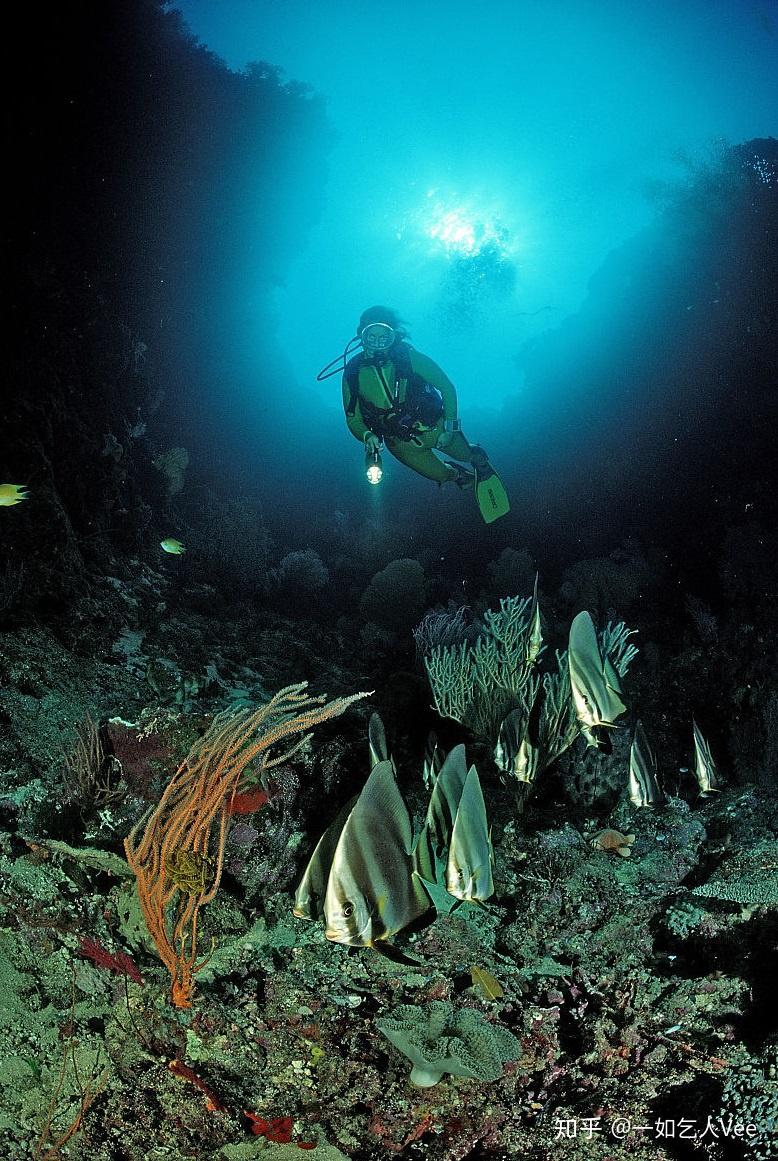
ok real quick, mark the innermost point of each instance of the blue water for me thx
(553, 125)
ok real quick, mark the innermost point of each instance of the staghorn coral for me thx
(437, 1039)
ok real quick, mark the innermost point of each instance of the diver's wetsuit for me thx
(415, 453)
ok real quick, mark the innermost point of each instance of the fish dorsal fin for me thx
(595, 684)
(644, 788)
(309, 896)
(509, 738)
(381, 809)
(432, 760)
(701, 747)
(641, 757)
(584, 665)
(535, 641)
(707, 775)
(445, 797)
(583, 638)
(376, 734)
(470, 852)
(432, 843)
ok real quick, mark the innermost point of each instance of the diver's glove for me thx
(478, 457)
(461, 476)
(373, 443)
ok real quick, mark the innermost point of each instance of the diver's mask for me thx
(377, 338)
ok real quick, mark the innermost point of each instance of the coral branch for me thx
(177, 850)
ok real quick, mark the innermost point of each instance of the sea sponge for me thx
(173, 465)
(302, 573)
(438, 1039)
(395, 597)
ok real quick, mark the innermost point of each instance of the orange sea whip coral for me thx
(177, 860)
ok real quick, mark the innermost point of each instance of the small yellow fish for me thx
(171, 545)
(489, 987)
(11, 494)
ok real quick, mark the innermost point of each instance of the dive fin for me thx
(490, 491)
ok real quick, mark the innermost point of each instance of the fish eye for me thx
(348, 910)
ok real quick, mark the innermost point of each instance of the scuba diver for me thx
(394, 396)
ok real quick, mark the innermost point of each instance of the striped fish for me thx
(433, 760)
(372, 889)
(644, 788)
(535, 642)
(309, 896)
(518, 742)
(595, 684)
(708, 778)
(376, 736)
(444, 801)
(469, 866)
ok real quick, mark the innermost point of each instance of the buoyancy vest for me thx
(419, 408)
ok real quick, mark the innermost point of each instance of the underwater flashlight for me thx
(373, 467)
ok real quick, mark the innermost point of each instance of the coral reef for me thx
(614, 997)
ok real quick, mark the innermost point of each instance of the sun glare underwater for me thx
(457, 228)
(481, 177)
